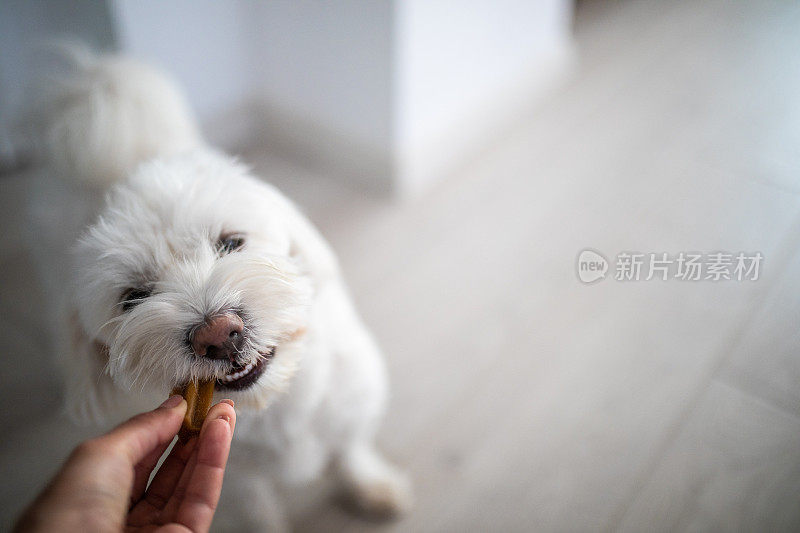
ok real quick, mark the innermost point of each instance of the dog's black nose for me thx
(219, 338)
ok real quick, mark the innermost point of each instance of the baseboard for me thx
(314, 145)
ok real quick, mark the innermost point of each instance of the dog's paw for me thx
(382, 498)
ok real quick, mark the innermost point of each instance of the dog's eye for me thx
(132, 297)
(230, 243)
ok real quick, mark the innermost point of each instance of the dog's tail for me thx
(105, 115)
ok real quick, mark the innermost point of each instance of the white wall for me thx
(330, 62)
(210, 46)
(388, 94)
(463, 66)
(393, 94)
(309, 79)
(325, 82)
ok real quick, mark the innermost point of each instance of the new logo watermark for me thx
(592, 266)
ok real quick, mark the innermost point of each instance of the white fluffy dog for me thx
(196, 269)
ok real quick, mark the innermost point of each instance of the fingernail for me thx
(172, 401)
(228, 401)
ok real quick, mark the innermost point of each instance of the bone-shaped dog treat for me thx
(198, 399)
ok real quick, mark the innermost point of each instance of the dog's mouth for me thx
(245, 376)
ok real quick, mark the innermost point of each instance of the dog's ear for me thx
(90, 392)
(307, 247)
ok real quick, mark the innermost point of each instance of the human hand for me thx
(102, 485)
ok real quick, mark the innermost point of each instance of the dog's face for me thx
(192, 272)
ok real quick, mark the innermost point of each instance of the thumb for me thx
(146, 432)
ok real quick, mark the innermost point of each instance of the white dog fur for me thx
(120, 130)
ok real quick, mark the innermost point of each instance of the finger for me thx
(196, 510)
(100, 472)
(171, 509)
(141, 435)
(142, 470)
(170, 482)
(173, 528)
(163, 485)
(224, 410)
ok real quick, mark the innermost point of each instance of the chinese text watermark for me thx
(592, 266)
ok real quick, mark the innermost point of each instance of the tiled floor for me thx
(522, 399)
